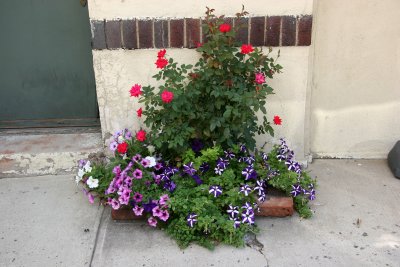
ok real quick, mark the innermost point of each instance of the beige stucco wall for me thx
(116, 71)
(355, 89)
(111, 9)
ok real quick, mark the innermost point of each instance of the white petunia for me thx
(87, 167)
(120, 139)
(152, 161)
(81, 172)
(78, 179)
(92, 183)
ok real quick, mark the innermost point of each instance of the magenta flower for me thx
(260, 78)
(138, 210)
(137, 197)
(137, 174)
(157, 211)
(137, 157)
(123, 200)
(145, 163)
(152, 221)
(115, 204)
(91, 198)
(164, 199)
(164, 215)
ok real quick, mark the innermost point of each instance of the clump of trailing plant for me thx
(129, 180)
(217, 99)
(219, 192)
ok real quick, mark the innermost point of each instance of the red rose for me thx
(141, 135)
(136, 90)
(161, 53)
(277, 120)
(161, 62)
(122, 148)
(224, 27)
(247, 48)
(167, 96)
(139, 112)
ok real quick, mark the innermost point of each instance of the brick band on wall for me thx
(179, 33)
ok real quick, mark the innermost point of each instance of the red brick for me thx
(161, 33)
(145, 33)
(257, 31)
(176, 32)
(243, 32)
(129, 34)
(113, 34)
(99, 37)
(276, 206)
(124, 214)
(305, 29)
(288, 31)
(192, 32)
(273, 31)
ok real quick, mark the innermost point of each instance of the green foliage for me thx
(216, 100)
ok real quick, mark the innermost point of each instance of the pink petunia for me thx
(152, 221)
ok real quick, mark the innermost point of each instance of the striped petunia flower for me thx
(229, 154)
(248, 218)
(296, 190)
(233, 211)
(245, 189)
(191, 219)
(243, 148)
(216, 190)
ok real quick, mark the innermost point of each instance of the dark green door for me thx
(46, 71)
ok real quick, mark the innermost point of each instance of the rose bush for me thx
(216, 100)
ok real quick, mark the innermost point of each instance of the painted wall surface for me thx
(355, 101)
(111, 9)
(117, 70)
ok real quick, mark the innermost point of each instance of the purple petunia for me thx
(149, 206)
(236, 223)
(170, 186)
(115, 204)
(197, 179)
(152, 221)
(204, 167)
(191, 219)
(158, 166)
(216, 190)
(189, 169)
(197, 145)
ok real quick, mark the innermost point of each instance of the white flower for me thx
(87, 167)
(78, 179)
(152, 161)
(81, 172)
(120, 139)
(92, 183)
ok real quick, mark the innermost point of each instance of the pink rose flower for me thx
(167, 96)
(260, 78)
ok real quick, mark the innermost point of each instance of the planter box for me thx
(273, 206)
(124, 214)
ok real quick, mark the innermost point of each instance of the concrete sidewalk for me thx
(44, 219)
